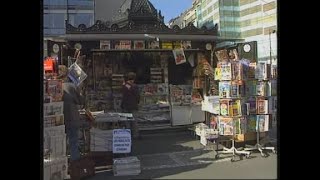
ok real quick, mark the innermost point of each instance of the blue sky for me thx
(171, 8)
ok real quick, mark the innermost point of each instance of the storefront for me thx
(166, 62)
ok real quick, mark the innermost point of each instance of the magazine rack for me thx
(258, 146)
(233, 150)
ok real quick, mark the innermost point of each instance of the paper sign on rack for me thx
(121, 141)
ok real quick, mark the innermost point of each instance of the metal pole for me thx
(270, 46)
(68, 11)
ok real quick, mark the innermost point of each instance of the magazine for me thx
(105, 44)
(153, 45)
(138, 45)
(225, 126)
(54, 89)
(263, 124)
(179, 56)
(224, 89)
(226, 71)
(224, 107)
(251, 123)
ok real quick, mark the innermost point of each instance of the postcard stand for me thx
(233, 150)
(258, 146)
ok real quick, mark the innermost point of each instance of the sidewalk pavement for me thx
(180, 155)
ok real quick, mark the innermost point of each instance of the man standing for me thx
(130, 99)
(71, 100)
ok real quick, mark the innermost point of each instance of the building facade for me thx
(252, 20)
(55, 12)
(259, 23)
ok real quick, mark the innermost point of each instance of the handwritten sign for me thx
(121, 141)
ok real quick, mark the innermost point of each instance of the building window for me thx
(226, 2)
(54, 20)
(269, 6)
(210, 9)
(251, 10)
(216, 5)
(252, 32)
(244, 2)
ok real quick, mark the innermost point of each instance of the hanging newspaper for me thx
(179, 56)
(76, 74)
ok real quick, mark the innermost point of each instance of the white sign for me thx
(121, 141)
(55, 48)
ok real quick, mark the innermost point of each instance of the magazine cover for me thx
(224, 107)
(196, 97)
(251, 87)
(105, 44)
(252, 105)
(76, 74)
(225, 126)
(138, 45)
(243, 125)
(251, 123)
(245, 109)
(236, 70)
(235, 108)
(261, 71)
(166, 45)
(213, 122)
(222, 55)
(125, 45)
(235, 89)
(186, 44)
(225, 71)
(251, 71)
(179, 56)
(153, 45)
(217, 73)
(224, 89)
(215, 100)
(54, 89)
(242, 88)
(263, 124)
(262, 106)
(233, 54)
(260, 88)
(237, 125)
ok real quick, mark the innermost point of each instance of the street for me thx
(181, 156)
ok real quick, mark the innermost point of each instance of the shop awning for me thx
(95, 37)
